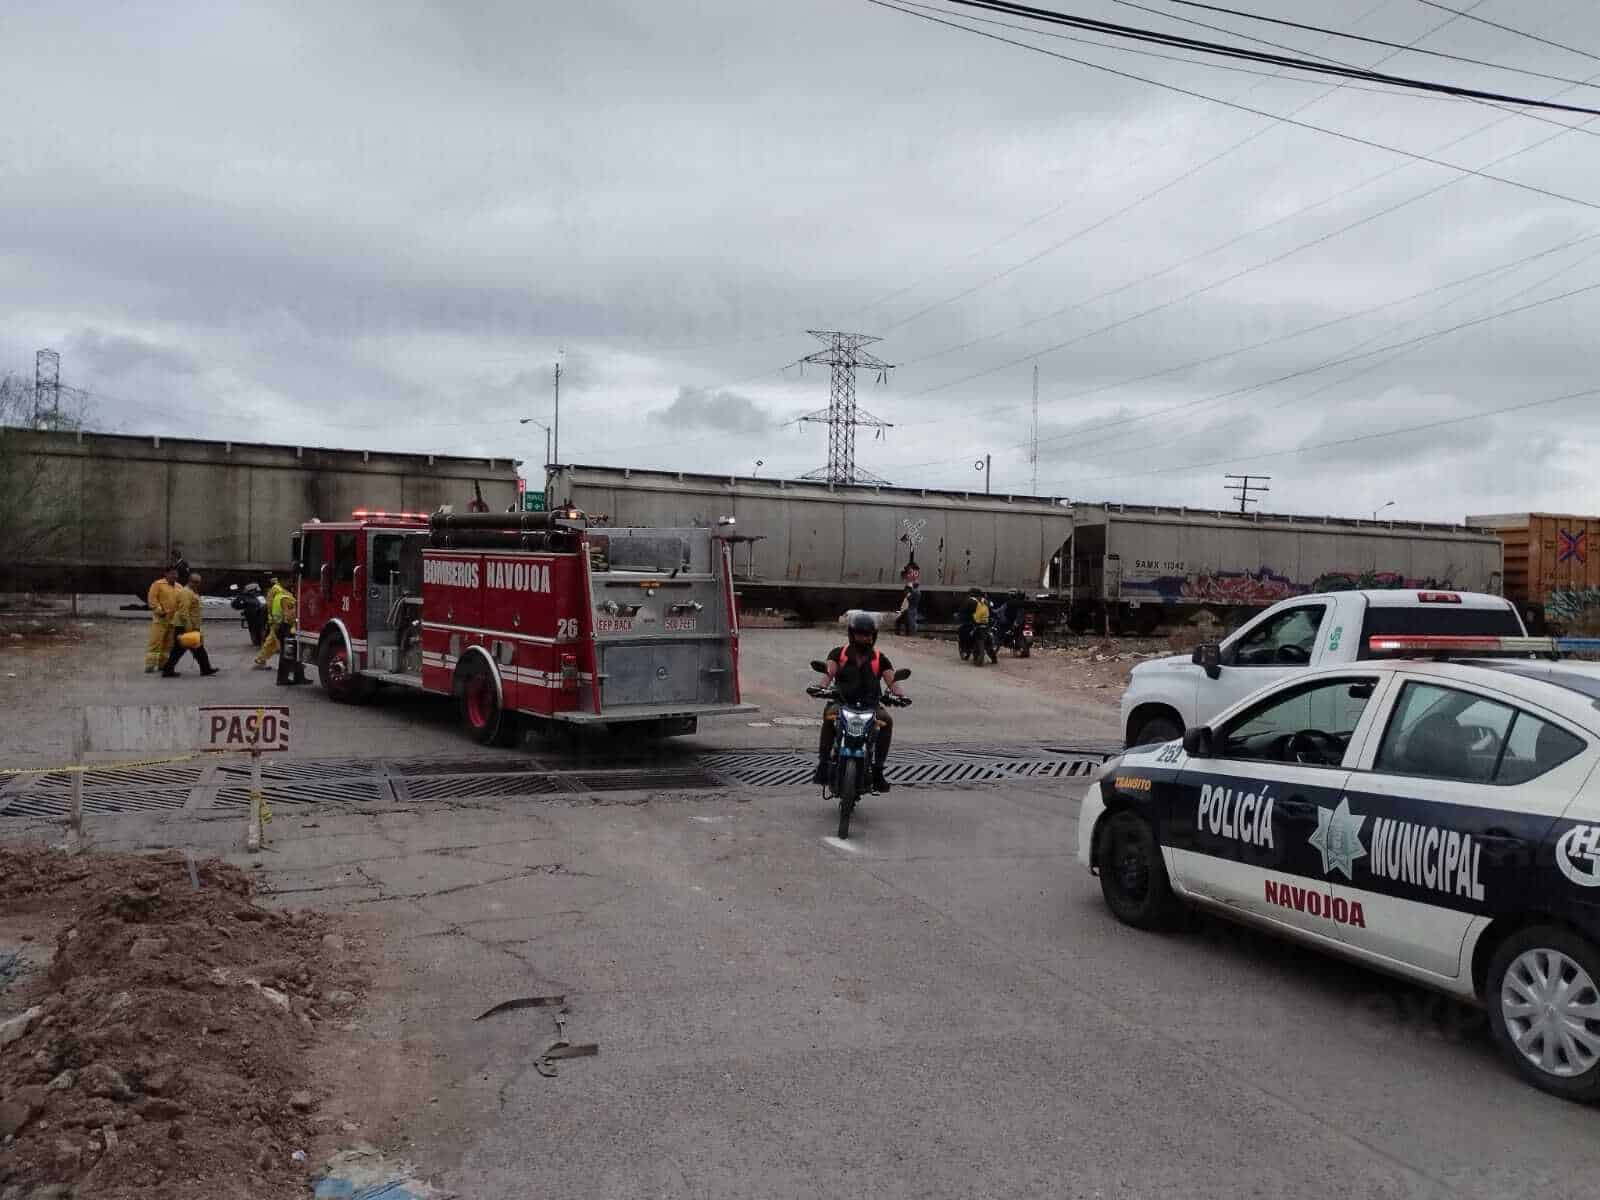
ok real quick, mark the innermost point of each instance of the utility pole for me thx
(983, 464)
(1033, 450)
(47, 390)
(1245, 486)
(845, 356)
(557, 421)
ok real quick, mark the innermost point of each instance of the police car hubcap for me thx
(1552, 1012)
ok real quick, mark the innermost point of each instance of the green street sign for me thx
(532, 501)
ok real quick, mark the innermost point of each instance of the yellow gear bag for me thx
(980, 614)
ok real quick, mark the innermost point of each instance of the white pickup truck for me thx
(1168, 695)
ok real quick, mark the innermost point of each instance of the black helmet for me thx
(974, 591)
(864, 622)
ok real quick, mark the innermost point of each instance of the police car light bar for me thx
(1480, 646)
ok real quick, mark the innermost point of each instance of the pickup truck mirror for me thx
(902, 673)
(1197, 741)
(819, 666)
(1208, 657)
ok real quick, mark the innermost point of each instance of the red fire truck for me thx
(523, 618)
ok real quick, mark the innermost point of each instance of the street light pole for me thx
(1380, 508)
(558, 413)
(546, 428)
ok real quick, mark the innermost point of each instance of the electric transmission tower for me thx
(845, 356)
(46, 389)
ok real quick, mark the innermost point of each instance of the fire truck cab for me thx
(523, 618)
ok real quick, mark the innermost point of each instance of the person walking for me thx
(270, 644)
(290, 669)
(185, 621)
(910, 600)
(162, 598)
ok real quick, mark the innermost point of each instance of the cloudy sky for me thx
(380, 225)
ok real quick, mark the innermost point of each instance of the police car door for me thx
(1452, 803)
(1261, 823)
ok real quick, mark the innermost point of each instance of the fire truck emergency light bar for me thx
(1480, 646)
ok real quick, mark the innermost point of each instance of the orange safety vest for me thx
(876, 658)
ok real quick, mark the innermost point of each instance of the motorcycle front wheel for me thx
(849, 788)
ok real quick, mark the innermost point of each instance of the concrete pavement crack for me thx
(529, 873)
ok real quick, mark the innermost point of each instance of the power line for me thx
(1094, 226)
(1394, 351)
(1531, 116)
(1339, 360)
(1351, 441)
(1532, 37)
(1149, 195)
(1137, 33)
(1407, 93)
(1234, 104)
(1357, 37)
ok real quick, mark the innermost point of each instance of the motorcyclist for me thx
(974, 611)
(859, 673)
(1008, 616)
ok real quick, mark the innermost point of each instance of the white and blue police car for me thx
(1435, 815)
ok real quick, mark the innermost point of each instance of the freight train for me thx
(819, 548)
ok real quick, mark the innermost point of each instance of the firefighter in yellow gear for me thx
(276, 594)
(163, 600)
(290, 669)
(186, 619)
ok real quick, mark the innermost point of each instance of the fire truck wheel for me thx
(482, 714)
(333, 669)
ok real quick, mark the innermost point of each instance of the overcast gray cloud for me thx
(381, 226)
(695, 408)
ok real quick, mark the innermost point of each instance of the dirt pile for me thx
(165, 1048)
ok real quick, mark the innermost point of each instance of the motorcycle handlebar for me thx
(888, 700)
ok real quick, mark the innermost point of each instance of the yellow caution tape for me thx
(89, 768)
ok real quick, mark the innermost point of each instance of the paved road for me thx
(941, 1009)
(52, 683)
(944, 1009)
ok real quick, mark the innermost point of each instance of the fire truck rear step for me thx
(651, 712)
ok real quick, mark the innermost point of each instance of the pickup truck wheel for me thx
(1543, 997)
(1156, 730)
(1133, 879)
(483, 716)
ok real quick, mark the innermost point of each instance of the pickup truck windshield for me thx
(1444, 620)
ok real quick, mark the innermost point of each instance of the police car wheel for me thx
(1133, 879)
(1543, 997)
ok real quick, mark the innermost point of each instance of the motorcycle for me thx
(979, 644)
(854, 744)
(1015, 625)
(252, 609)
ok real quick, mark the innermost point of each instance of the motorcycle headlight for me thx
(855, 724)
